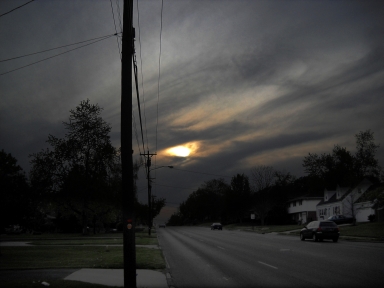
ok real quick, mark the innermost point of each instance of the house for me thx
(346, 201)
(303, 209)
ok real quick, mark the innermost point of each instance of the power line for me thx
(9, 59)
(118, 13)
(138, 98)
(16, 8)
(158, 80)
(141, 72)
(56, 55)
(114, 22)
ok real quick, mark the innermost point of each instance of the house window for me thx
(301, 202)
(294, 204)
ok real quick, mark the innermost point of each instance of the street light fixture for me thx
(150, 194)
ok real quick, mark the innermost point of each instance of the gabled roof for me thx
(361, 198)
(306, 197)
(333, 199)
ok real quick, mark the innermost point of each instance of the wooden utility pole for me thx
(128, 201)
(148, 166)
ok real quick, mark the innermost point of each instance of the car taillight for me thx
(319, 229)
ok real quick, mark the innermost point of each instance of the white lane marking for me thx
(220, 247)
(225, 279)
(268, 265)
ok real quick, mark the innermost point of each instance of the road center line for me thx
(268, 265)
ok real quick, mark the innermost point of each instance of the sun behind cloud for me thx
(183, 150)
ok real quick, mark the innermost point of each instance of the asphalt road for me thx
(199, 257)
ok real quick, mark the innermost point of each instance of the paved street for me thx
(199, 257)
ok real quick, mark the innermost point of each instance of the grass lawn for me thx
(52, 283)
(369, 230)
(38, 257)
(94, 241)
(262, 229)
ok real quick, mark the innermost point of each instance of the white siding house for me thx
(303, 209)
(345, 201)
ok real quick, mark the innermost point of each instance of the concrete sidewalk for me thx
(115, 277)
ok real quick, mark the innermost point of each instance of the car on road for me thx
(216, 226)
(341, 219)
(320, 230)
(162, 225)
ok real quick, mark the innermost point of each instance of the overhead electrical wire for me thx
(158, 79)
(135, 128)
(43, 51)
(106, 37)
(138, 98)
(120, 22)
(114, 22)
(141, 72)
(16, 8)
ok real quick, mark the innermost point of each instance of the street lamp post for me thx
(150, 195)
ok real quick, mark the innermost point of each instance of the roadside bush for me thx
(372, 218)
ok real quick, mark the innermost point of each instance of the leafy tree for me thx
(141, 210)
(16, 198)
(80, 170)
(366, 163)
(20, 204)
(206, 203)
(343, 168)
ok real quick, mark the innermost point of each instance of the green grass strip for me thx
(39, 257)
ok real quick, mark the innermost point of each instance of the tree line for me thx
(266, 191)
(74, 185)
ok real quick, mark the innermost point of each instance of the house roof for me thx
(333, 199)
(362, 198)
(306, 197)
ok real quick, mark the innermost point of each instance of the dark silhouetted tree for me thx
(343, 168)
(19, 204)
(263, 179)
(238, 198)
(80, 170)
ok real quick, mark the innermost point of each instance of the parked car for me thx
(161, 225)
(320, 230)
(341, 219)
(217, 226)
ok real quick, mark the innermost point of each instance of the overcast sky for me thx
(242, 83)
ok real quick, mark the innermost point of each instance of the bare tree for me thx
(263, 178)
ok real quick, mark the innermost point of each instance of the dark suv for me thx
(320, 230)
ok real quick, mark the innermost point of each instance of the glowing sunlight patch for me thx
(182, 150)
